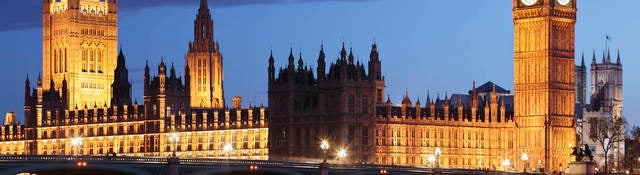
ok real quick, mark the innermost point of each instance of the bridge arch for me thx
(217, 171)
(365, 173)
(375, 173)
(22, 168)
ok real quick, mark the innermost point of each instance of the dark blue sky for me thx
(440, 46)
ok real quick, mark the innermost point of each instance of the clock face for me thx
(563, 2)
(531, 2)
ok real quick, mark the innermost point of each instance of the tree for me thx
(607, 132)
(634, 133)
(632, 145)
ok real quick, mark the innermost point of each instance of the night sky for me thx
(435, 46)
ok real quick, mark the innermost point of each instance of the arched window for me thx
(55, 61)
(59, 61)
(84, 59)
(92, 60)
(64, 61)
(100, 54)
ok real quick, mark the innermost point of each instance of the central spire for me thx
(203, 4)
(203, 30)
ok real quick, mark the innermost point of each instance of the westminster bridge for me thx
(124, 165)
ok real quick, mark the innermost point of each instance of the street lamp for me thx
(524, 158)
(431, 160)
(324, 146)
(174, 138)
(342, 153)
(438, 152)
(506, 163)
(227, 149)
(76, 142)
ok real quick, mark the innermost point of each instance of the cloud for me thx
(22, 14)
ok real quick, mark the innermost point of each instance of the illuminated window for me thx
(256, 136)
(55, 61)
(100, 56)
(59, 61)
(64, 62)
(92, 60)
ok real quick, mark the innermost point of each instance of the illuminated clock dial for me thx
(563, 2)
(529, 2)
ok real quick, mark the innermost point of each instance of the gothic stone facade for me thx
(338, 106)
(346, 108)
(86, 94)
(80, 40)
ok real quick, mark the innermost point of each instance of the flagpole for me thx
(606, 41)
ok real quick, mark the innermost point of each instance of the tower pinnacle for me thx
(203, 4)
(618, 59)
(582, 64)
(593, 59)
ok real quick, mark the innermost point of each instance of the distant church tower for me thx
(544, 89)
(605, 103)
(205, 63)
(606, 84)
(79, 44)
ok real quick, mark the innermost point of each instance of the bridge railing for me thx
(262, 163)
(85, 158)
(224, 162)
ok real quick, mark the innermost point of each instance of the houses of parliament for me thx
(84, 92)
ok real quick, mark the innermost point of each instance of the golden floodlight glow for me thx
(342, 153)
(76, 141)
(324, 145)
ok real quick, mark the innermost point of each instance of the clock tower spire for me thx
(204, 61)
(544, 40)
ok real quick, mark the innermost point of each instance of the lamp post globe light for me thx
(324, 145)
(342, 153)
(431, 159)
(227, 149)
(76, 142)
(506, 163)
(438, 152)
(524, 157)
(174, 138)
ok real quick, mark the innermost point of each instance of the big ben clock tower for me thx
(544, 37)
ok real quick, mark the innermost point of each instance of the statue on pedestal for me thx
(577, 152)
(587, 152)
(582, 153)
(584, 161)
